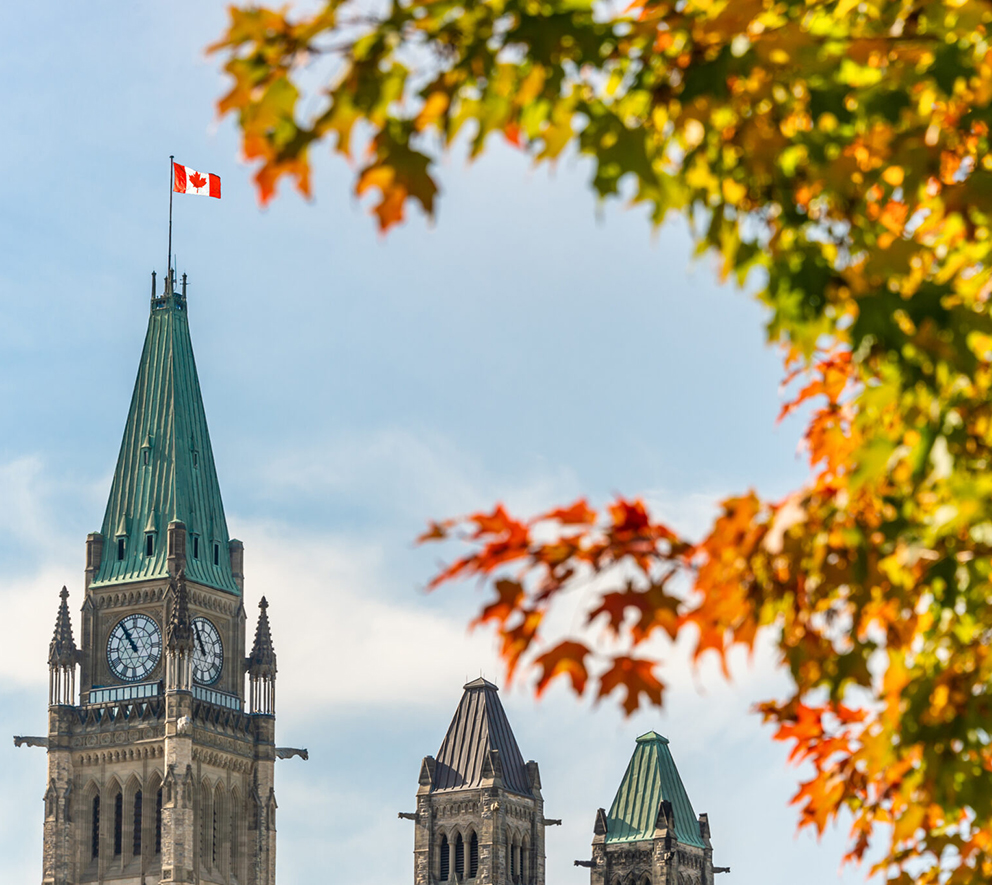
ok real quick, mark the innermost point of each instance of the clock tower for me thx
(159, 772)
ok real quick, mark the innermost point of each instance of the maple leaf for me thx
(437, 530)
(636, 677)
(579, 513)
(509, 597)
(197, 180)
(566, 658)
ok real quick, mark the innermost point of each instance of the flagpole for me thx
(172, 175)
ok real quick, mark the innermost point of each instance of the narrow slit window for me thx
(196, 459)
(118, 825)
(158, 822)
(136, 841)
(233, 845)
(95, 829)
(149, 544)
(120, 549)
(196, 546)
(216, 554)
(146, 456)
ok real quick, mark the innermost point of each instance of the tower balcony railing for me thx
(140, 691)
(115, 694)
(218, 698)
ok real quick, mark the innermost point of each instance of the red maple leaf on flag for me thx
(197, 180)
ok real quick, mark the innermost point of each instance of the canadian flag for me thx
(189, 181)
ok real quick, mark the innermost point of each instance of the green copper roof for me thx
(651, 777)
(165, 469)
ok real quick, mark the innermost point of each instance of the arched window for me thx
(95, 828)
(459, 858)
(525, 875)
(158, 821)
(514, 859)
(118, 824)
(473, 856)
(136, 840)
(445, 859)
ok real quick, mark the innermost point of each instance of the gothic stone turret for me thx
(651, 835)
(480, 813)
(158, 773)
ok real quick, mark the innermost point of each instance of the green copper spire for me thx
(651, 777)
(165, 470)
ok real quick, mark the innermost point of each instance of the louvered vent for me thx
(473, 856)
(459, 858)
(445, 859)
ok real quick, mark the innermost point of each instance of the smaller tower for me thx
(62, 658)
(651, 835)
(261, 666)
(480, 813)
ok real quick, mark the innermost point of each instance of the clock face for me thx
(208, 652)
(134, 647)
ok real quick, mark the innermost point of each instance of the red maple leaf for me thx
(197, 180)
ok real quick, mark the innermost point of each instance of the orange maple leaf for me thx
(509, 596)
(637, 677)
(197, 180)
(565, 658)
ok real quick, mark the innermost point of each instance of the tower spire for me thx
(165, 469)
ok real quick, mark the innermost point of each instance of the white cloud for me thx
(338, 640)
(405, 473)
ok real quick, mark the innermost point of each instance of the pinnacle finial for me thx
(180, 635)
(262, 660)
(62, 649)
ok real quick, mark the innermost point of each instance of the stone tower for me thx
(480, 814)
(651, 835)
(159, 773)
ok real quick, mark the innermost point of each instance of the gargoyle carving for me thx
(21, 741)
(290, 752)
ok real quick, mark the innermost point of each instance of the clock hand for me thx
(127, 633)
(199, 640)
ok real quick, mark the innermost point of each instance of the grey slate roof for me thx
(479, 727)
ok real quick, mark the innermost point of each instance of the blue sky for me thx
(526, 347)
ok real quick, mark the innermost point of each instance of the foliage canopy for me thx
(837, 151)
